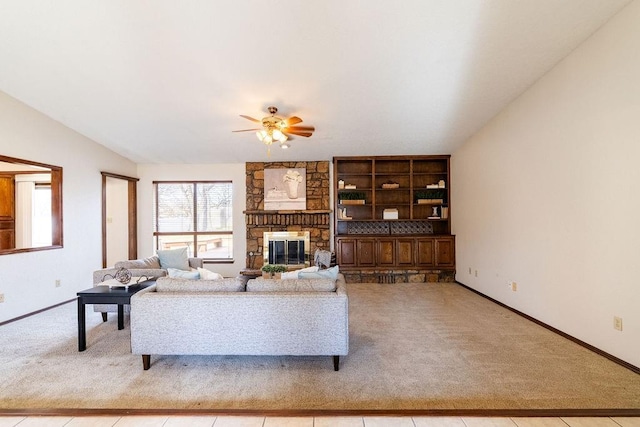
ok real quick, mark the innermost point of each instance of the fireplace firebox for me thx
(290, 248)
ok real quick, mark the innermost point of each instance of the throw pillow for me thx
(208, 274)
(329, 273)
(145, 263)
(183, 274)
(174, 258)
(294, 274)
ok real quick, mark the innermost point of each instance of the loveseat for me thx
(296, 317)
(147, 267)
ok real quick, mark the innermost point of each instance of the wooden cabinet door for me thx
(445, 252)
(7, 213)
(386, 253)
(346, 253)
(404, 252)
(366, 253)
(424, 252)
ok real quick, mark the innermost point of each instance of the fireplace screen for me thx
(290, 248)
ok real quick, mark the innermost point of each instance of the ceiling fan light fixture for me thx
(265, 137)
(279, 136)
(277, 129)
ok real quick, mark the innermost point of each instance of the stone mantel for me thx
(289, 212)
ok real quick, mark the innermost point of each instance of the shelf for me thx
(387, 220)
(428, 173)
(391, 174)
(412, 173)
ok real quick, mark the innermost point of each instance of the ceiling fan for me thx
(277, 129)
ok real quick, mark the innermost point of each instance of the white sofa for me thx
(175, 318)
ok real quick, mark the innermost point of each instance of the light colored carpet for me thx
(412, 346)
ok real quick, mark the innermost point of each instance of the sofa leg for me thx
(336, 363)
(146, 361)
(104, 316)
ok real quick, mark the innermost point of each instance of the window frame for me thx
(194, 234)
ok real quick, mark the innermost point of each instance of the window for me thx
(198, 215)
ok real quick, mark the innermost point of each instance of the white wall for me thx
(234, 172)
(28, 279)
(548, 195)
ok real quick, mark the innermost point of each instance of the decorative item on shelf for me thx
(390, 185)
(349, 186)
(434, 213)
(441, 183)
(342, 214)
(390, 214)
(431, 186)
(273, 271)
(352, 198)
(444, 212)
(429, 197)
(341, 184)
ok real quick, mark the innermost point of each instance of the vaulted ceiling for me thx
(165, 81)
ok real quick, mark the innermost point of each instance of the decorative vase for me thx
(292, 189)
(266, 275)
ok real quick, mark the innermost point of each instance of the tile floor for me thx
(256, 421)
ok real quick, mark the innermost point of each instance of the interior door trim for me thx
(132, 197)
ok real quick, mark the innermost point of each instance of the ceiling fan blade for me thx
(296, 132)
(294, 120)
(246, 130)
(301, 128)
(250, 118)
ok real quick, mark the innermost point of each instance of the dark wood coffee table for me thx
(105, 295)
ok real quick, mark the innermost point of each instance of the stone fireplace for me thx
(314, 220)
(290, 248)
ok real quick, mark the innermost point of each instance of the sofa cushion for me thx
(174, 284)
(329, 273)
(151, 262)
(183, 274)
(208, 274)
(291, 285)
(174, 258)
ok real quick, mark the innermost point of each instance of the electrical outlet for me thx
(1, 297)
(617, 323)
(514, 286)
(57, 283)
